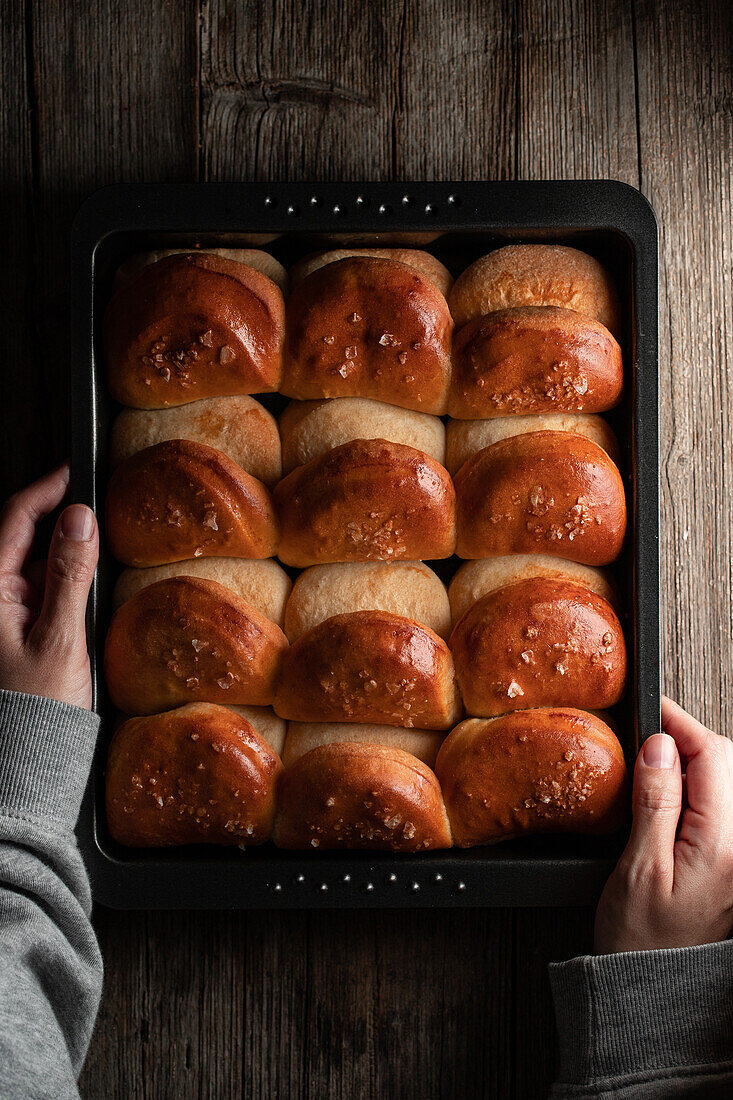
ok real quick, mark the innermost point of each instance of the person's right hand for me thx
(670, 888)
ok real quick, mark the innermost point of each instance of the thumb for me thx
(72, 560)
(657, 802)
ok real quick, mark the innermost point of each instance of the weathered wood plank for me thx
(686, 131)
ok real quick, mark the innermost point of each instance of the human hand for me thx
(43, 649)
(674, 888)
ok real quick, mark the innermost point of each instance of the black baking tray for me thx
(457, 222)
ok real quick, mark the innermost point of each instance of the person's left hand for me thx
(43, 649)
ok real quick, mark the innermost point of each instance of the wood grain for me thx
(414, 1004)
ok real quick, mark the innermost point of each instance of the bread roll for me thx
(239, 427)
(475, 579)
(360, 796)
(179, 500)
(265, 722)
(263, 584)
(193, 326)
(536, 275)
(423, 262)
(547, 491)
(532, 360)
(465, 438)
(372, 667)
(304, 736)
(369, 328)
(252, 257)
(310, 428)
(533, 771)
(539, 642)
(369, 500)
(186, 640)
(409, 589)
(196, 775)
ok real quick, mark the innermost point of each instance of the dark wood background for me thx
(373, 1005)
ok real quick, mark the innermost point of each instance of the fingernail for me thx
(659, 751)
(77, 523)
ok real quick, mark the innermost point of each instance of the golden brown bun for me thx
(536, 275)
(186, 640)
(465, 438)
(193, 326)
(263, 584)
(372, 667)
(179, 500)
(368, 500)
(423, 262)
(310, 428)
(237, 426)
(540, 642)
(533, 771)
(539, 493)
(478, 578)
(369, 328)
(531, 360)
(304, 736)
(360, 796)
(265, 722)
(196, 775)
(409, 589)
(252, 257)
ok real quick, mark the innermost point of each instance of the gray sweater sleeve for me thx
(643, 1025)
(50, 965)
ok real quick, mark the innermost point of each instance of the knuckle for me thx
(657, 800)
(73, 570)
(10, 588)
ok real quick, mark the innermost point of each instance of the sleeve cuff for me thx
(46, 752)
(643, 1012)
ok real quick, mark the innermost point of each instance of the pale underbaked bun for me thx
(369, 328)
(536, 275)
(304, 736)
(196, 775)
(546, 491)
(531, 360)
(534, 771)
(265, 722)
(263, 584)
(423, 262)
(369, 667)
(368, 500)
(310, 428)
(193, 326)
(179, 500)
(475, 579)
(360, 796)
(237, 426)
(186, 640)
(252, 257)
(541, 642)
(465, 438)
(409, 589)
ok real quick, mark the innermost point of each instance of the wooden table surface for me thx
(393, 1004)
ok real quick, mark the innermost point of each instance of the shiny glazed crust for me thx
(465, 438)
(539, 642)
(546, 492)
(532, 360)
(369, 328)
(369, 666)
(369, 500)
(423, 262)
(179, 500)
(533, 771)
(192, 326)
(196, 775)
(187, 640)
(360, 796)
